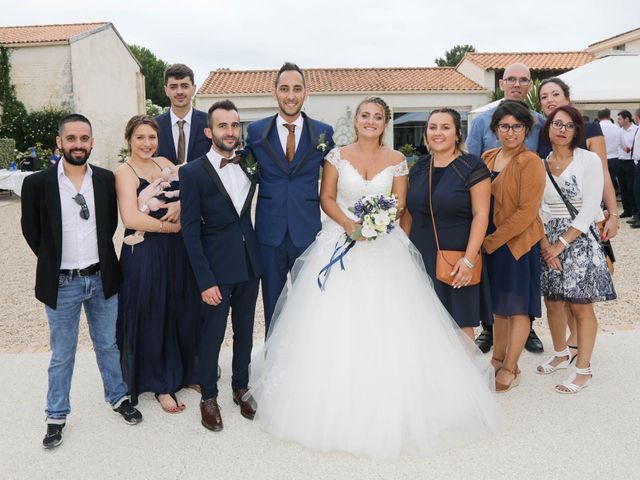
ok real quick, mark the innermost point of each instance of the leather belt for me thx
(82, 272)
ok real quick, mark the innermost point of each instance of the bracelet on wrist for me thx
(161, 226)
(617, 215)
(470, 265)
(563, 241)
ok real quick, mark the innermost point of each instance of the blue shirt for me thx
(481, 138)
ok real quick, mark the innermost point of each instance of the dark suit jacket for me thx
(198, 144)
(288, 199)
(222, 245)
(42, 228)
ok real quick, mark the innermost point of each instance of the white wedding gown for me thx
(373, 365)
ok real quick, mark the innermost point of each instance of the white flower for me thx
(368, 231)
(381, 218)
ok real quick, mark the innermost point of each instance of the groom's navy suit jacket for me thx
(288, 199)
(221, 244)
(198, 144)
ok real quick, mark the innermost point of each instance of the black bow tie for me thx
(225, 161)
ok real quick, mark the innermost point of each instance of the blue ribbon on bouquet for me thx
(338, 254)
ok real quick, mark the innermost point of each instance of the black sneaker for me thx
(53, 438)
(129, 413)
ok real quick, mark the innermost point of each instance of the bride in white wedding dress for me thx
(373, 364)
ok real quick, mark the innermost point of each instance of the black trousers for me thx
(626, 176)
(613, 164)
(636, 188)
(241, 299)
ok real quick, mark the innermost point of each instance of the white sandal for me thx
(571, 387)
(546, 368)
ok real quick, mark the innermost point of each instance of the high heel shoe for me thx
(572, 388)
(546, 368)
(503, 387)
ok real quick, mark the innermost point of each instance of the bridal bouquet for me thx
(376, 215)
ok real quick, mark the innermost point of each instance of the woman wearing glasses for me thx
(574, 271)
(159, 303)
(553, 93)
(511, 246)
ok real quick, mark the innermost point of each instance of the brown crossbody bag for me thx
(447, 259)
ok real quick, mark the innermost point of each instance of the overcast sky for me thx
(255, 34)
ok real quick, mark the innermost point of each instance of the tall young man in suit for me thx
(182, 137)
(289, 148)
(69, 216)
(216, 196)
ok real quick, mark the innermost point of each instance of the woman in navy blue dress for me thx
(159, 303)
(511, 246)
(461, 196)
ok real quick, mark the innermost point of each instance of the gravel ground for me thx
(23, 322)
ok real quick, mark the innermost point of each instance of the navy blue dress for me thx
(159, 315)
(452, 209)
(515, 284)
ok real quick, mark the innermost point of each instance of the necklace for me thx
(556, 161)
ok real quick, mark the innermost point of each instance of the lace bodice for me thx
(352, 186)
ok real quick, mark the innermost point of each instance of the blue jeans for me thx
(73, 292)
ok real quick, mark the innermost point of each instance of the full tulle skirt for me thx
(373, 364)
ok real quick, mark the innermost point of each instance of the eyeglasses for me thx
(505, 127)
(84, 210)
(514, 80)
(558, 125)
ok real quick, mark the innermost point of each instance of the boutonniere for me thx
(248, 163)
(322, 144)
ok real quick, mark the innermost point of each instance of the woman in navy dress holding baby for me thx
(159, 303)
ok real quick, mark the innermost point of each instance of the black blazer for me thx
(42, 229)
(198, 144)
(222, 245)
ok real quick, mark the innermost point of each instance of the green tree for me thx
(452, 57)
(12, 111)
(153, 70)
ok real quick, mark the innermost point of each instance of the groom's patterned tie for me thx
(291, 141)
(181, 141)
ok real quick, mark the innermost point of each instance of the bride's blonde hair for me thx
(386, 111)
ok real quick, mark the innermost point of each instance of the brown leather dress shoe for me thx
(248, 407)
(210, 412)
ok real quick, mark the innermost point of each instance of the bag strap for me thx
(573, 211)
(433, 218)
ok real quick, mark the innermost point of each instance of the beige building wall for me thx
(107, 89)
(42, 76)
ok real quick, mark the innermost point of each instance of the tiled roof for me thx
(222, 82)
(534, 60)
(45, 33)
(615, 36)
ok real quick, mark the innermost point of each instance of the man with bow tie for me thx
(216, 196)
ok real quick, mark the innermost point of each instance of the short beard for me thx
(221, 145)
(67, 154)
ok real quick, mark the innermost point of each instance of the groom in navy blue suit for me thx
(289, 148)
(182, 137)
(216, 196)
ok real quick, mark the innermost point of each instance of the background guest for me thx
(612, 138)
(461, 192)
(626, 174)
(574, 272)
(515, 228)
